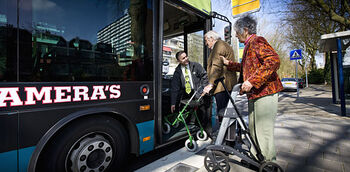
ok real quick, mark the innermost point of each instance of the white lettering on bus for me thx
(115, 92)
(32, 91)
(9, 96)
(80, 91)
(98, 91)
(10, 93)
(61, 95)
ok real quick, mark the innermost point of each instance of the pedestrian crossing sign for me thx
(295, 55)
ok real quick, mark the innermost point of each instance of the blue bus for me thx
(82, 85)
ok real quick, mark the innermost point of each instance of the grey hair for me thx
(246, 21)
(212, 34)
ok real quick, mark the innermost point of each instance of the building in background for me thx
(3, 19)
(173, 45)
(118, 35)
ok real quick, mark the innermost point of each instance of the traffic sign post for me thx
(296, 55)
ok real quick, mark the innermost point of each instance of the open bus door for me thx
(183, 30)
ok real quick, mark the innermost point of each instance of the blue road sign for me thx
(295, 55)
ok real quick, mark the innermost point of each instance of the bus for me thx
(82, 85)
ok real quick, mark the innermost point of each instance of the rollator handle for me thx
(237, 87)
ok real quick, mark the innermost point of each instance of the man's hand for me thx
(246, 86)
(207, 89)
(225, 61)
(172, 108)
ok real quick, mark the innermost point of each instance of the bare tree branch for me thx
(332, 14)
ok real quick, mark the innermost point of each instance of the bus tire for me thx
(99, 143)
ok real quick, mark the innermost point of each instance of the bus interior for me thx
(183, 30)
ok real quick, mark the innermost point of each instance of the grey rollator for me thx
(217, 158)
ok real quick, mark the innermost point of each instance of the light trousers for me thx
(262, 117)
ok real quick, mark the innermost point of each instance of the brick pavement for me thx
(309, 136)
(309, 133)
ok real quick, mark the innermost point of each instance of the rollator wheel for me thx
(216, 161)
(166, 128)
(270, 167)
(202, 136)
(191, 147)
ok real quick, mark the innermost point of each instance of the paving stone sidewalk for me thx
(309, 133)
(310, 136)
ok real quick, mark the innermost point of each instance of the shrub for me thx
(316, 76)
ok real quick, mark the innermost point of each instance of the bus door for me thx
(183, 30)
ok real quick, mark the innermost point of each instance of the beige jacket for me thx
(216, 68)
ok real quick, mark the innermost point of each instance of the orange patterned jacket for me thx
(259, 66)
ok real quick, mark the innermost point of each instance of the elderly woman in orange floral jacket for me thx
(260, 80)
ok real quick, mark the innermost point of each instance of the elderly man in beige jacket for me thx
(216, 68)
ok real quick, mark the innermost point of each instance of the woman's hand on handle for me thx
(246, 86)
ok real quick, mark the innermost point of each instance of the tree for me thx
(337, 10)
(277, 40)
(307, 20)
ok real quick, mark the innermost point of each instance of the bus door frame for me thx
(158, 8)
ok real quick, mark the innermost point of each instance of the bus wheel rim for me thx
(93, 153)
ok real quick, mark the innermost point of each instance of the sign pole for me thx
(307, 84)
(296, 55)
(296, 77)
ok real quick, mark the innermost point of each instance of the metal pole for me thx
(296, 77)
(341, 77)
(306, 80)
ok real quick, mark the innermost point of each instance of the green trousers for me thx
(262, 116)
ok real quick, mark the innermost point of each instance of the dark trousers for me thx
(222, 99)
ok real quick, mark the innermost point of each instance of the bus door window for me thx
(195, 47)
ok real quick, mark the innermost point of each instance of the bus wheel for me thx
(90, 144)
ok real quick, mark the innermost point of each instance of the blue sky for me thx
(268, 10)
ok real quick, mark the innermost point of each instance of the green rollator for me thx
(190, 144)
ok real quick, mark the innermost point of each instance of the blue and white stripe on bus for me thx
(146, 136)
(8, 160)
